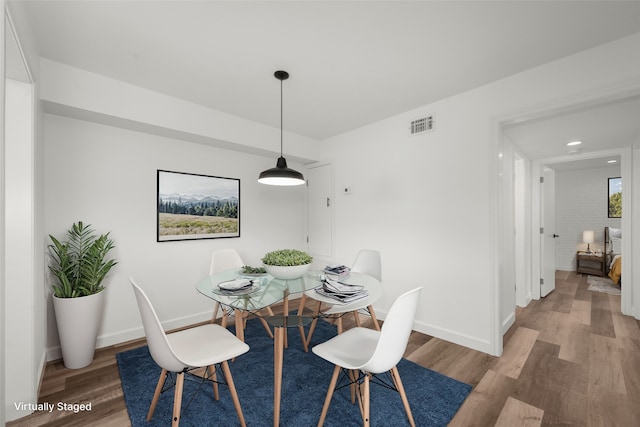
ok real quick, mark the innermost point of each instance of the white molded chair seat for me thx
(370, 352)
(200, 347)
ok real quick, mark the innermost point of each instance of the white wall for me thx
(3, 401)
(25, 300)
(581, 204)
(430, 203)
(19, 241)
(106, 176)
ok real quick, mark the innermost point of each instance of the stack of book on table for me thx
(337, 272)
(341, 292)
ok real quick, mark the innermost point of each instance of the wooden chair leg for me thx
(177, 399)
(239, 324)
(359, 390)
(214, 379)
(353, 377)
(365, 401)
(225, 317)
(234, 393)
(265, 324)
(215, 312)
(327, 400)
(316, 312)
(156, 394)
(302, 337)
(374, 319)
(396, 375)
(356, 317)
(303, 301)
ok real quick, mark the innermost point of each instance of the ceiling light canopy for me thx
(281, 174)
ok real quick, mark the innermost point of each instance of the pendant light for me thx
(281, 174)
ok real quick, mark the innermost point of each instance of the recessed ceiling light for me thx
(574, 143)
(612, 161)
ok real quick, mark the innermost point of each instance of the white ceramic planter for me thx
(78, 321)
(287, 272)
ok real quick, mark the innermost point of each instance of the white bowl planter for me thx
(78, 320)
(287, 272)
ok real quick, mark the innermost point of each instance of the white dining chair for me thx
(366, 353)
(179, 352)
(367, 262)
(227, 259)
(221, 260)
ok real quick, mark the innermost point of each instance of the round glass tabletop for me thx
(267, 290)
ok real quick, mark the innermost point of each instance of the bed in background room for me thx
(614, 259)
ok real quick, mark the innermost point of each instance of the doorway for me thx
(597, 158)
(525, 202)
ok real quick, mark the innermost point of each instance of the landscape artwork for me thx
(192, 206)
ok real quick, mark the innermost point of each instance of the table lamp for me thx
(587, 237)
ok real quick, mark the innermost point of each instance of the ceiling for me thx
(604, 126)
(351, 63)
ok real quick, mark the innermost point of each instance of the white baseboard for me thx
(508, 322)
(448, 335)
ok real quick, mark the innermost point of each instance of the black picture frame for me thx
(614, 199)
(193, 207)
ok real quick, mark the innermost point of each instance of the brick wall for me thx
(581, 204)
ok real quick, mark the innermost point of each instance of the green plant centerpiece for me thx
(79, 265)
(287, 264)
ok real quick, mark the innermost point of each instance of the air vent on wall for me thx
(421, 125)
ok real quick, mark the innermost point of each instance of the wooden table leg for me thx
(278, 355)
(286, 313)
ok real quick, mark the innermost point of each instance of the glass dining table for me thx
(264, 291)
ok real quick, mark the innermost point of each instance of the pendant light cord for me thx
(281, 114)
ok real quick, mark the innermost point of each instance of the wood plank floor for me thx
(570, 359)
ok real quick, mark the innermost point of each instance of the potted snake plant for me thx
(79, 265)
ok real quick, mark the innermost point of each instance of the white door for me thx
(320, 210)
(548, 233)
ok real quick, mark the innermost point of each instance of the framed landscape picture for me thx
(192, 206)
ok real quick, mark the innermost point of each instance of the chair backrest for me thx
(395, 333)
(225, 259)
(159, 346)
(368, 262)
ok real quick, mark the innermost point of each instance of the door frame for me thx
(544, 215)
(530, 260)
(627, 195)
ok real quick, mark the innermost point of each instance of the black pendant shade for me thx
(281, 174)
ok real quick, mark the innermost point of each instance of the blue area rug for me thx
(434, 398)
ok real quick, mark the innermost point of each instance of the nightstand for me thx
(591, 264)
